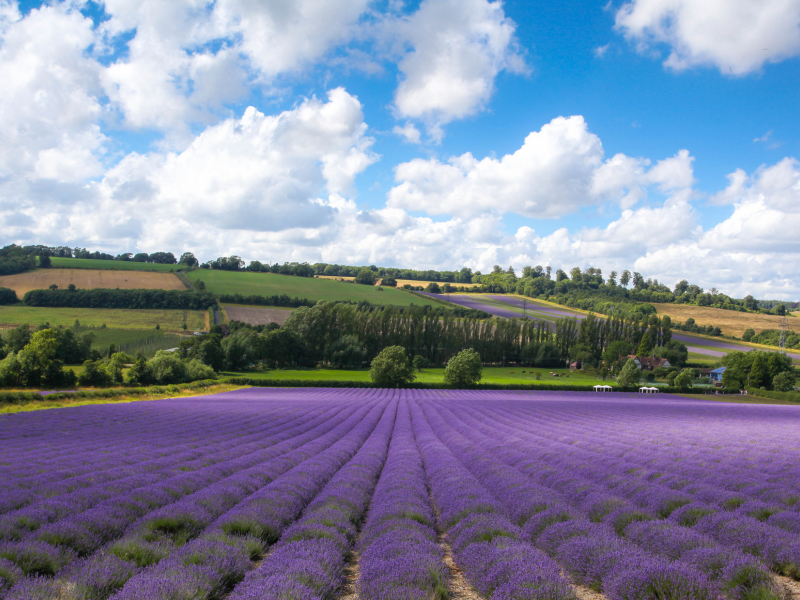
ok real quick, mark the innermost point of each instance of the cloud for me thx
(408, 132)
(48, 99)
(735, 36)
(455, 49)
(558, 170)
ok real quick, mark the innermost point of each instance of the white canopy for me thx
(602, 388)
(649, 390)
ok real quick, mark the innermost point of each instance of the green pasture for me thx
(268, 284)
(490, 375)
(119, 265)
(123, 318)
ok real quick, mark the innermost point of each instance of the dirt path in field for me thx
(790, 586)
(458, 588)
(352, 572)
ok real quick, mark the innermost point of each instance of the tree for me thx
(420, 362)
(464, 369)
(347, 351)
(366, 276)
(646, 345)
(188, 259)
(433, 288)
(625, 278)
(684, 379)
(784, 381)
(389, 282)
(617, 350)
(391, 368)
(44, 259)
(750, 303)
(141, 373)
(612, 278)
(629, 375)
(748, 334)
(18, 338)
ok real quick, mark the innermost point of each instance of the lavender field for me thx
(368, 494)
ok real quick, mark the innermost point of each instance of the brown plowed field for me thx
(85, 279)
(257, 315)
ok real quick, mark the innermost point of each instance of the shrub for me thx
(684, 379)
(784, 381)
(629, 375)
(420, 362)
(8, 296)
(464, 369)
(391, 368)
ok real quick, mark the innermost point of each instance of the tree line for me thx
(347, 335)
(116, 298)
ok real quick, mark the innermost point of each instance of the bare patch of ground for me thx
(352, 572)
(256, 315)
(458, 588)
(85, 279)
(790, 586)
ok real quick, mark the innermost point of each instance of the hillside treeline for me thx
(108, 298)
(17, 259)
(344, 335)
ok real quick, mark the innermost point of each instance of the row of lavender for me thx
(522, 487)
(619, 527)
(188, 533)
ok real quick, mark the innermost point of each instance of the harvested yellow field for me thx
(730, 322)
(400, 282)
(85, 279)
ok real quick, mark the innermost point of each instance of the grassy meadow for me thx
(120, 318)
(490, 375)
(268, 284)
(117, 265)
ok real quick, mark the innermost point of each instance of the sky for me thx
(659, 136)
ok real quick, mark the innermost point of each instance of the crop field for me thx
(256, 315)
(41, 279)
(400, 282)
(121, 318)
(313, 288)
(729, 321)
(401, 494)
(500, 375)
(114, 265)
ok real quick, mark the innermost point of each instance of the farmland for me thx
(111, 317)
(256, 315)
(268, 284)
(400, 282)
(499, 375)
(729, 321)
(286, 493)
(114, 265)
(41, 279)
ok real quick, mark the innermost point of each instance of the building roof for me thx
(652, 362)
(721, 370)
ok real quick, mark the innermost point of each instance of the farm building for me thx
(648, 363)
(716, 374)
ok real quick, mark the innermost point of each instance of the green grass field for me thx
(490, 375)
(119, 265)
(268, 284)
(111, 317)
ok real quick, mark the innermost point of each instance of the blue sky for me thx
(655, 135)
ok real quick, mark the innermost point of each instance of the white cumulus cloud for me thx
(558, 170)
(735, 36)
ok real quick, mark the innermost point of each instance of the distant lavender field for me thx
(268, 493)
(470, 302)
(542, 308)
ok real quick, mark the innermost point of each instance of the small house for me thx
(716, 374)
(649, 363)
